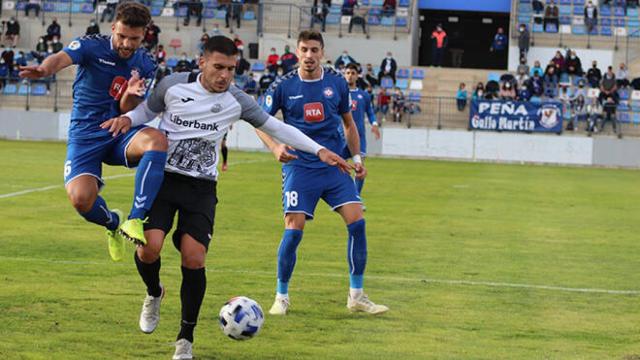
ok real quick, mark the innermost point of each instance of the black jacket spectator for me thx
(594, 75)
(242, 66)
(266, 80)
(574, 65)
(523, 40)
(388, 67)
(183, 64)
(151, 36)
(94, 28)
(12, 34)
(319, 12)
(53, 30)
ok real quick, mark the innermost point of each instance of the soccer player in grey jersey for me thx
(197, 110)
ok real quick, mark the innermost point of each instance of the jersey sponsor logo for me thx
(193, 123)
(216, 108)
(328, 92)
(314, 112)
(74, 45)
(118, 86)
(354, 105)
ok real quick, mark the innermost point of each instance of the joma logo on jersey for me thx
(314, 112)
(118, 86)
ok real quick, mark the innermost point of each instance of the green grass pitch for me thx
(475, 260)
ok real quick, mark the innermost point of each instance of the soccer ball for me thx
(241, 318)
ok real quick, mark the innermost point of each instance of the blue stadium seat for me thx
(402, 84)
(578, 29)
(605, 21)
(606, 31)
(564, 78)
(181, 11)
(335, 9)
(221, 14)
(623, 106)
(47, 6)
(633, 22)
(537, 28)
(373, 21)
(249, 15)
(386, 21)
(525, 1)
(10, 89)
(636, 118)
(632, 12)
(624, 94)
(402, 74)
(524, 9)
(365, 3)
(258, 66)
(414, 96)
(417, 74)
(377, 3)
(157, 11)
(386, 82)
(624, 117)
(87, 9)
(594, 31)
(565, 2)
(172, 62)
(21, 5)
(493, 77)
(404, 3)
(565, 10)
(333, 19)
(619, 11)
(524, 18)
(75, 8)
(633, 32)
(23, 89)
(578, 2)
(375, 12)
(618, 22)
(565, 20)
(605, 11)
(62, 7)
(551, 28)
(38, 89)
(401, 21)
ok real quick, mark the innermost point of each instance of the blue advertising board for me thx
(467, 5)
(498, 115)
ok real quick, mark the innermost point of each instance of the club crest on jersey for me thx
(216, 108)
(118, 86)
(74, 45)
(328, 92)
(313, 112)
(360, 96)
(268, 101)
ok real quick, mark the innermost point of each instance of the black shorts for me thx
(195, 201)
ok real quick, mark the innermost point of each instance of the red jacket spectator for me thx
(272, 61)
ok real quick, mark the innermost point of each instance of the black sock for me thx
(150, 274)
(194, 284)
(225, 153)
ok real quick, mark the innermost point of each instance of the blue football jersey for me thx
(101, 79)
(360, 105)
(315, 107)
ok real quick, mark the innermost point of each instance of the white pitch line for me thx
(374, 277)
(51, 187)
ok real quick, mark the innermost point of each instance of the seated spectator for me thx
(461, 97)
(594, 115)
(12, 34)
(622, 76)
(288, 60)
(383, 103)
(609, 86)
(32, 5)
(234, 12)
(358, 19)
(609, 106)
(398, 105)
(523, 93)
(41, 50)
(151, 36)
(348, 6)
(319, 13)
(265, 81)
(573, 64)
(594, 75)
(194, 8)
(56, 45)
(110, 10)
(388, 68)
(53, 30)
(242, 66)
(238, 43)
(183, 64)
(536, 85)
(551, 15)
(370, 77)
(251, 86)
(20, 59)
(565, 100)
(590, 16)
(559, 62)
(551, 80)
(161, 54)
(478, 92)
(536, 69)
(203, 39)
(523, 67)
(389, 8)
(8, 55)
(412, 108)
(537, 6)
(93, 28)
(522, 78)
(507, 91)
(163, 70)
(344, 59)
(273, 61)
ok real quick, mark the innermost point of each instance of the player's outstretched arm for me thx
(51, 65)
(136, 117)
(278, 150)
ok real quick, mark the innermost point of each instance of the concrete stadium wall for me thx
(398, 142)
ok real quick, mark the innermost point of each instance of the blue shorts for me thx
(85, 156)
(302, 188)
(346, 153)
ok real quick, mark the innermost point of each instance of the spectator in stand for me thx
(610, 104)
(238, 43)
(370, 77)
(551, 80)
(348, 6)
(594, 113)
(594, 75)
(523, 41)
(161, 54)
(4, 73)
(536, 85)
(522, 77)
(358, 19)
(536, 69)
(388, 68)
(251, 86)
(41, 50)
(558, 62)
(622, 76)
(93, 28)
(273, 61)
(183, 65)
(590, 16)
(574, 65)
(110, 10)
(288, 60)
(537, 6)
(8, 56)
(151, 36)
(608, 86)
(507, 91)
(32, 5)
(461, 97)
(20, 59)
(215, 31)
(344, 60)
(234, 12)
(319, 13)
(194, 8)
(56, 45)
(12, 35)
(439, 38)
(565, 101)
(389, 8)
(242, 66)
(203, 39)
(551, 16)
(398, 105)
(478, 92)
(499, 43)
(522, 67)
(53, 30)
(383, 103)
(163, 70)
(265, 81)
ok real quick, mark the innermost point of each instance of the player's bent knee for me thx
(148, 255)
(193, 261)
(156, 141)
(82, 201)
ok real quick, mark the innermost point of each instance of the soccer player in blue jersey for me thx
(112, 76)
(360, 105)
(316, 100)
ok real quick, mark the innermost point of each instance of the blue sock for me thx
(148, 181)
(357, 253)
(100, 214)
(359, 185)
(287, 258)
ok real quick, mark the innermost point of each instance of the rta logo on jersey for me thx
(313, 112)
(118, 86)
(328, 92)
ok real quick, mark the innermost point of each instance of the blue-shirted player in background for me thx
(111, 79)
(316, 100)
(360, 105)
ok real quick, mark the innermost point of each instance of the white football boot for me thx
(150, 314)
(362, 303)
(280, 306)
(184, 350)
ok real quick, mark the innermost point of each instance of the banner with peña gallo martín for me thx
(520, 116)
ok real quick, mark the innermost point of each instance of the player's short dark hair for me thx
(133, 14)
(307, 35)
(353, 67)
(221, 44)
